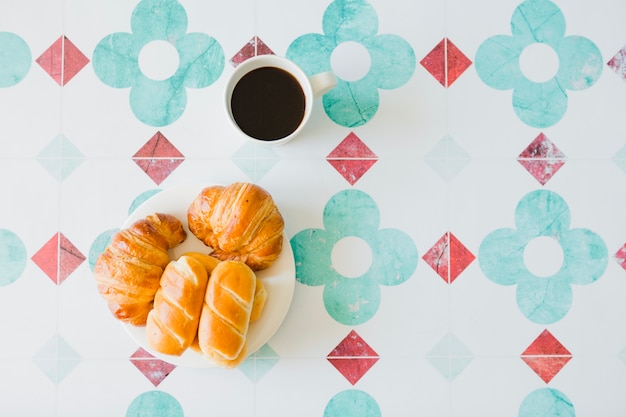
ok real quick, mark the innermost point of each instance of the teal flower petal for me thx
(585, 256)
(497, 62)
(201, 60)
(158, 103)
(312, 249)
(155, 404)
(352, 301)
(312, 52)
(538, 21)
(351, 213)
(392, 61)
(539, 105)
(542, 213)
(350, 20)
(353, 403)
(158, 20)
(15, 59)
(501, 257)
(99, 245)
(395, 257)
(546, 402)
(544, 300)
(580, 63)
(13, 257)
(351, 104)
(115, 60)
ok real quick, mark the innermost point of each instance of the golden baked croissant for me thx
(173, 322)
(239, 222)
(225, 317)
(128, 272)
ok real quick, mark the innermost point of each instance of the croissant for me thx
(173, 322)
(225, 317)
(128, 271)
(239, 222)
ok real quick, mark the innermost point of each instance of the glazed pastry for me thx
(225, 317)
(260, 296)
(260, 293)
(173, 322)
(128, 272)
(239, 222)
(207, 261)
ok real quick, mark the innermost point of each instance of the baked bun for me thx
(225, 317)
(260, 297)
(128, 271)
(173, 322)
(239, 222)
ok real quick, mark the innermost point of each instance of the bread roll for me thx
(128, 271)
(239, 222)
(260, 297)
(173, 322)
(223, 328)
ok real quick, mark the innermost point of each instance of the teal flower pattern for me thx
(354, 103)
(546, 402)
(353, 300)
(539, 104)
(15, 59)
(158, 102)
(543, 300)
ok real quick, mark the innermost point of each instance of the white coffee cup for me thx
(269, 99)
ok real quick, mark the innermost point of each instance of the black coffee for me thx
(268, 103)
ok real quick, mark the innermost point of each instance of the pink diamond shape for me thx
(618, 63)
(542, 159)
(158, 158)
(446, 62)
(58, 258)
(620, 256)
(254, 47)
(546, 356)
(152, 368)
(62, 60)
(448, 257)
(352, 158)
(352, 357)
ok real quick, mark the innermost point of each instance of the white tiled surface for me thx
(91, 372)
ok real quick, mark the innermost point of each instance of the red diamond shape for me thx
(158, 158)
(620, 256)
(448, 257)
(546, 356)
(352, 158)
(542, 159)
(58, 258)
(62, 60)
(446, 62)
(254, 47)
(353, 357)
(618, 63)
(152, 368)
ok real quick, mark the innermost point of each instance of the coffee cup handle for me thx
(322, 83)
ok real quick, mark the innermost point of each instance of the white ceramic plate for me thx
(279, 278)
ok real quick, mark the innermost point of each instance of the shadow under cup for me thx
(269, 99)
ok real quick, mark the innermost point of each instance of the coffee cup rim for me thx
(270, 60)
